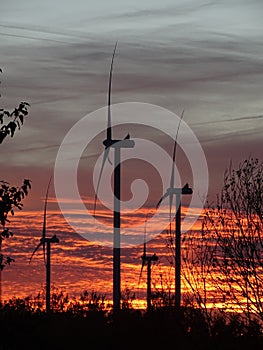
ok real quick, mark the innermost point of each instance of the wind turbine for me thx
(177, 192)
(46, 242)
(147, 260)
(116, 145)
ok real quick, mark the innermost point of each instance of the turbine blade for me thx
(109, 134)
(109, 160)
(45, 211)
(45, 220)
(144, 238)
(105, 156)
(143, 264)
(37, 247)
(161, 199)
(44, 252)
(144, 250)
(174, 151)
(170, 207)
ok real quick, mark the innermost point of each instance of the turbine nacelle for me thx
(177, 191)
(53, 239)
(126, 143)
(147, 258)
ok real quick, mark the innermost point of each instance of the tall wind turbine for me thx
(116, 145)
(147, 260)
(177, 192)
(46, 242)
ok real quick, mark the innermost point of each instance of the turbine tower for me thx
(147, 260)
(46, 242)
(177, 192)
(116, 145)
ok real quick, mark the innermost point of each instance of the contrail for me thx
(34, 38)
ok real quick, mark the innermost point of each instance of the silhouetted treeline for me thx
(88, 321)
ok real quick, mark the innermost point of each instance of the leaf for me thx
(17, 196)
(24, 189)
(2, 136)
(21, 117)
(15, 112)
(18, 124)
(12, 127)
(27, 183)
(9, 260)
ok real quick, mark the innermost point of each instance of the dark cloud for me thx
(187, 55)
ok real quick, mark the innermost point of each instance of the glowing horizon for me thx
(76, 263)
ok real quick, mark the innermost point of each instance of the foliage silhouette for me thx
(74, 320)
(11, 197)
(16, 119)
(224, 262)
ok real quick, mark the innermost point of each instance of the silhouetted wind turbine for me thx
(177, 192)
(46, 242)
(147, 260)
(117, 145)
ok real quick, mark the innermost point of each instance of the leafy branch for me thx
(10, 198)
(15, 119)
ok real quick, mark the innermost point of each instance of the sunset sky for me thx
(203, 57)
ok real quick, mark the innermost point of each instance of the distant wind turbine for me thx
(46, 242)
(147, 260)
(177, 192)
(117, 145)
